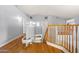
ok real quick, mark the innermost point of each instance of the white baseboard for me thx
(48, 43)
(11, 40)
(59, 47)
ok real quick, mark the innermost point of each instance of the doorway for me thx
(34, 32)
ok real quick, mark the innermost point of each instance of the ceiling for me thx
(54, 10)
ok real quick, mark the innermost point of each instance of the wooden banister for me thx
(66, 31)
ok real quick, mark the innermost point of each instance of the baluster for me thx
(66, 35)
(72, 38)
(62, 35)
(56, 35)
(65, 38)
(76, 39)
(69, 37)
(59, 35)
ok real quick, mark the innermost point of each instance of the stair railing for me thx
(63, 35)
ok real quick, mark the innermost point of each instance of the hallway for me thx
(39, 48)
(58, 31)
(16, 46)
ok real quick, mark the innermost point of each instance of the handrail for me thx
(63, 24)
(63, 35)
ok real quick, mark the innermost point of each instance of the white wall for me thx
(10, 23)
(56, 20)
(3, 30)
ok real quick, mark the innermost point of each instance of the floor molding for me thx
(59, 47)
(11, 40)
(48, 43)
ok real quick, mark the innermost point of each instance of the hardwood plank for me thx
(16, 46)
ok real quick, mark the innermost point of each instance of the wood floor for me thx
(16, 46)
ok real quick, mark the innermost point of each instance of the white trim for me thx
(59, 47)
(11, 40)
(48, 43)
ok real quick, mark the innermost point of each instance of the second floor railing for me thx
(63, 35)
